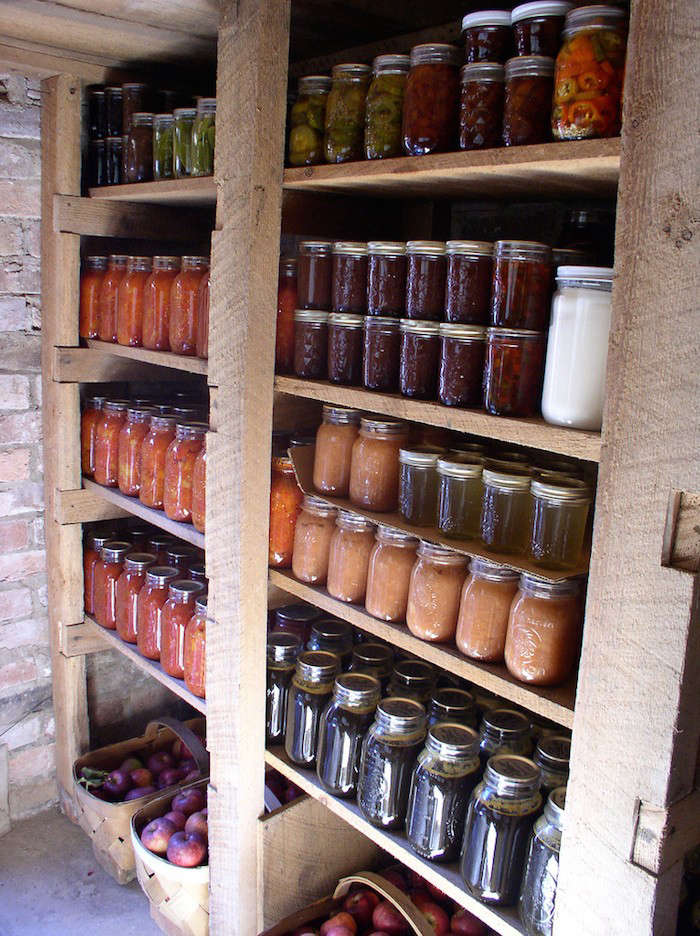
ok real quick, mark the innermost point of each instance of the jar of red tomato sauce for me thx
(154, 447)
(107, 433)
(130, 301)
(195, 648)
(184, 305)
(129, 585)
(131, 437)
(430, 106)
(179, 556)
(199, 482)
(156, 303)
(91, 555)
(286, 305)
(179, 470)
(108, 568)
(285, 507)
(203, 302)
(149, 609)
(109, 292)
(177, 612)
(94, 271)
(160, 543)
(88, 429)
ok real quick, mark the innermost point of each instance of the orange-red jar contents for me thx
(286, 304)
(156, 303)
(153, 450)
(129, 585)
(195, 648)
(90, 284)
(131, 437)
(285, 507)
(91, 556)
(203, 296)
(199, 483)
(108, 568)
(107, 432)
(179, 470)
(88, 430)
(184, 305)
(149, 610)
(109, 294)
(177, 612)
(130, 302)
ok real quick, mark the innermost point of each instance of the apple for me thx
(186, 850)
(360, 904)
(168, 777)
(291, 792)
(378, 933)
(416, 881)
(464, 923)
(198, 822)
(118, 783)
(437, 894)
(395, 877)
(339, 930)
(156, 835)
(159, 761)
(305, 930)
(192, 775)
(141, 776)
(188, 802)
(131, 763)
(139, 791)
(186, 765)
(178, 819)
(388, 919)
(339, 921)
(433, 912)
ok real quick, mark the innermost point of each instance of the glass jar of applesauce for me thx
(108, 568)
(431, 100)
(89, 419)
(389, 574)
(374, 464)
(552, 756)
(285, 505)
(444, 775)
(91, 556)
(419, 361)
(129, 585)
(487, 36)
(351, 545)
(184, 297)
(177, 611)
(306, 121)
(199, 489)
(345, 348)
(312, 541)
(349, 277)
(389, 751)
(287, 303)
(386, 278)
(527, 108)
(426, 274)
(452, 705)
(559, 520)
(481, 105)
(460, 493)
(382, 354)
(130, 301)
(333, 635)
(522, 285)
(538, 891)
(109, 426)
(296, 619)
(413, 679)
(433, 595)
(282, 652)
(537, 27)
(506, 511)
(342, 729)
(345, 113)
(309, 693)
(334, 441)
(314, 277)
(156, 303)
(385, 106)
(461, 367)
(182, 141)
(418, 486)
(311, 344)
(544, 630)
(149, 610)
(93, 273)
(504, 731)
(131, 437)
(179, 470)
(196, 648)
(154, 448)
(468, 282)
(108, 298)
(484, 609)
(374, 659)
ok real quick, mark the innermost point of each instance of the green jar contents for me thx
(559, 520)
(505, 511)
(163, 146)
(385, 106)
(183, 120)
(345, 113)
(418, 486)
(460, 493)
(203, 131)
(307, 120)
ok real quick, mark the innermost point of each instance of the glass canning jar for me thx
(484, 608)
(481, 105)
(113, 110)
(107, 431)
(109, 295)
(468, 281)
(537, 27)
(179, 468)
(513, 371)
(89, 418)
(130, 301)
(538, 891)
(199, 489)
(163, 146)
(287, 302)
(179, 556)
(312, 541)
(454, 705)
(154, 448)
(501, 813)
(461, 368)
(374, 659)
(333, 635)
(203, 303)
(307, 119)
(184, 292)
(91, 555)
(296, 619)
(522, 285)
(487, 36)
(156, 303)
(413, 679)
(460, 493)
(420, 354)
(374, 464)
(389, 574)
(349, 277)
(311, 344)
(314, 277)
(552, 756)
(342, 728)
(526, 112)
(345, 348)
(160, 543)
(434, 590)
(385, 106)
(382, 354)
(139, 148)
(177, 612)
(195, 663)
(91, 277)
(285, 505)
(96, 163)
(282, 652)
(559, 521)
(418, 486)
(426, 274)
(197, 572)
(97, 114)
(504, 731)
(114, 160)
(309, 692)
(203, 137)
(348, 559)
(444, 775)
(506, 511)
(131, 437)
(182, 141)
(129, 585)
(431, 100)
(343, 139)
(135, 99)
(108, 568)
(334, 441)
(544, 630)
(149, 610)
(386, 278)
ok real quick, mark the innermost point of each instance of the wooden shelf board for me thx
(154, 669)
(582, 167)
(534, 433)
(133, 505)
(556, 704)
(192, 365)
(445, 877)
(200, 190)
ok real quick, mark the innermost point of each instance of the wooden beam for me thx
(91, 365)
(200, 17)
(83, 506)
(80, 639)
(102, 218)
(665, 836)
(46, 61)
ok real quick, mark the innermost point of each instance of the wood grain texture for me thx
(83, 506)
(200, 190)
(664, 836)
(79, 639)
(182, 362)
(47, 62)
(95, 365)
(133, 220)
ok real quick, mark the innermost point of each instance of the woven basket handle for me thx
(186, 735)
(415, 919)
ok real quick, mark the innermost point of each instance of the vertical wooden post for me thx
(635, 736)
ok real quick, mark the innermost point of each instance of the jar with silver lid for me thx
(413, 679)
(333, 635)
(343, 726)
(451, 704)
(538, 891)
(504, 731)
(310, 690)
(418, 483)
(373, 659)
(282, 651)
(552, 757)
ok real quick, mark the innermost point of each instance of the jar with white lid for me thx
(559, 521)
(577, 349)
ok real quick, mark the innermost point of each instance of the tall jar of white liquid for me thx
(577, 349)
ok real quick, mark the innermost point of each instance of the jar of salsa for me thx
(199, 485)
(184, 305)
(94, 270)
(314, 276)
(389, 573)
(461, 365)
(345, 113)
(312, 541)
(89, 419)
(385, 106)
(460, 492)
(129, 585)
(108, 568)
(345, 348)
(349, 277)
(203, 297)
(537, 26)
(91, 555)
(179, 470)
(350, 548)
(287, 302)
(182, 141)
(431, 100)
(203, 137)
(334, 441)
(113, 110)
(311, 344)
(418, 483)
(156, 303)
(130, 301)
(468, 282)
(425, 280)
(109, 426)
(176, 615)
(282, 652)
(374, 464)
(109, 295)
(505, 511)
(481, 105)
(484, 609)
(149, 610)
(522, 285)
(420, 353)
(307, 119)
(139, 149)
(560, 508)
(433, 595)
(131, 437)
(195, 648)
(513, 371)
(526, 115)
(154, 447)
(285, 505)
(309, 693)
(487, 36)
(381, 354)
(386, 278)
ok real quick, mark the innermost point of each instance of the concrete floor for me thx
(51, 885)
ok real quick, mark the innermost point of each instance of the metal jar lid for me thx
(400, 715)
(311, 316)
(508, 723)
(341, 414)
(540, 8)
(357, 689)
(486, 18)
(317, 665)
(350, 248)
(387, 248)
(462, 332)
(452, 741)
(329, 628)
(425, 329)
(282, 647)
(553, 752)
(346, 319)
(426, 248)
(185, 588)
(482, 71)
(115, 550)
(505, 481)
(387, 426)
(491, 571)
(456, 467)
(530, 66)
(512, 775)
(571, 491)
(419, 457)
(161, 575)
(139, 561)
(470, 248)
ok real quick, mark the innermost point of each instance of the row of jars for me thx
(159, 303)
(424, 103)
(150, 452)
(151, 590)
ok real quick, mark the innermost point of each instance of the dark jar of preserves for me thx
(149, 610)
(282, 652)
(453, 705)
(526, 111)
(426, 274)
(389, 752)
(420, 353)
(468, 282)
(386, 278)
(314, 275)
(538, 891)
(96, 164)
(196, 649)
(108, 569)
(382, 353)
(461, 364)
(385, 106)
(139, 149)
(504, 731)
(287, 303)
(521, 288)
(177, 612)
(444, 776)
(374, 659)
(296, 619)
(308, 695)
(413, 679)
(481, 105)
(343, 726)
(113, 110)
(307, 119)
(129, 585)
(114, 160)
(349, 277)
(513, 371)
(537, 26)
(345, 113)
(552, 756)
(311, 344)
(97, 115)
(487, 36)
(431, 100)
(331, 634)
(345, 348)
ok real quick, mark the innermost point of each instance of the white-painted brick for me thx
(19, 159)
(15, 314)
(14, 391)
(19, 121)
(29, 632)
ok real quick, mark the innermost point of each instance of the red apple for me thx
(337, 929)
(387, 918)
(395, 877)
(159, 761)
(178, 819)
(438, 895)
(198, 823)
(168, 777)
(339, 921)
(188, 801)
(192, 775)
(186, 850)
(179, 750)
(156, 835)
(138, 791)
(118, 783)
(141, 776)
(433, 912)
(416, 881)
(360, 904)
(131, 763)
(464, 923)
(378, 933)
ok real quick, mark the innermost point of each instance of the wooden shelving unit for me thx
(192, 365)
(190, 192)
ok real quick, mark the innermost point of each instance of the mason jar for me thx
(538, 891)
(309, 692)
(559, 521)
(282, 652)
(343, 726)
(552, 756)
(504, 731)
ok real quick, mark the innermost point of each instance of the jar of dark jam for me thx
(552, 757)
(389, 752)
(97, 117)
(311, 344)
(446, 772)
(113, 111)
(538, 891)
(413, 679)
(349, 277)
(481, 105)
(113, 160)
(419, 359)
(527, 107)
(537, 26)
(461, 368)
(426, 273)
(96, 164)
(452, 705)
(139, 149)
(344, 724)
(309, 692)
(513, 371)
(314, 264)
(382, 354)
(345, 341)
(374, 659)
(501, 813)
(431, 100)
(385, 106)
(468, 282)
(282, 652)
(296, 619)
(487, 36)
(386, 278)
(504, 731)
(332, 635)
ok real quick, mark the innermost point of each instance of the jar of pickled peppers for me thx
(307, 120)
(385, 106)
(431, 100)
(179, 470)
(345, 113)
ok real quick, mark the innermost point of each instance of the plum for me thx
(118, 783)
(139, 791)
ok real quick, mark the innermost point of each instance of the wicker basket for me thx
(107, 824)
(179, 897)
